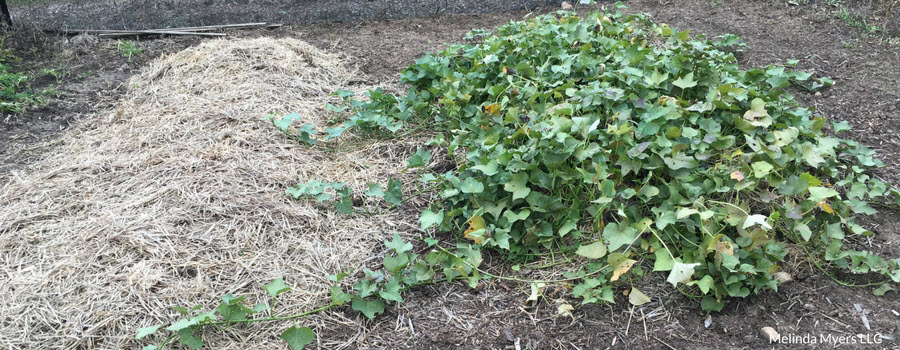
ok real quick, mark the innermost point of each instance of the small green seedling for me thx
(128, 49)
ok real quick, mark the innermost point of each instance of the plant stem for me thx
(276, 318)
(516, 279)
(833, 277)
(731, 205)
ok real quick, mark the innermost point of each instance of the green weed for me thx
(129, 49)
(849, 44)
(84, 74)
(858, 21)
(59, 73)
(15, 94)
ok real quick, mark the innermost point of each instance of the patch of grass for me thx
(859, 21)
(15, 92)
(12, 97)
(849, 44)
(84, 74)
(59, 73)
(129, 49)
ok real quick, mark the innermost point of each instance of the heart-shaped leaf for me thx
(298, 338)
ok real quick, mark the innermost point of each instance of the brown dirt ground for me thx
(494, 316)
(146, 14)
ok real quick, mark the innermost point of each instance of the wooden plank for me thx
(223, 26)
(155, 32)
(174, 31)
(233, 27)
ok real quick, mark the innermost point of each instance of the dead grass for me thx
(176, 197)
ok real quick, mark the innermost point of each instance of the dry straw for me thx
(176, 197)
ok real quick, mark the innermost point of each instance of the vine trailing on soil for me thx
(402, 269)
(599, 132)
(607, 139)
(232, 311)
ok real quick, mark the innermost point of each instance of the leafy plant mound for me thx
(617, 138)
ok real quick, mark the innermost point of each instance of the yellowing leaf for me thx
(637, 298)
(757, 110)
(710, 244)
(819, 194)
(786, 136)
(761, 169)
(737, 175)
(475, 231)
(826, 207)
(757, 115)
(681, 273)
(722, 249)
(536, 291)
(565, 310)
(685, 212)
(623, 267)
(725, 248)
(492, 109)
(757, 219)
(643, 225)
(594, 250)
(666, 100)
(811, 180)
(757, 235)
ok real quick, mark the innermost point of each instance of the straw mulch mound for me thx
(176, 197)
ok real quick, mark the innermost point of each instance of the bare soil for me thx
(145, 14)
(495, 315)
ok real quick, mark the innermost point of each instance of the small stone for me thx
(566, 5)
(769, 334)
(809, 307)
(749, 338)
(783, 277)
(753, 312)
(507, 333)
(83, 39)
